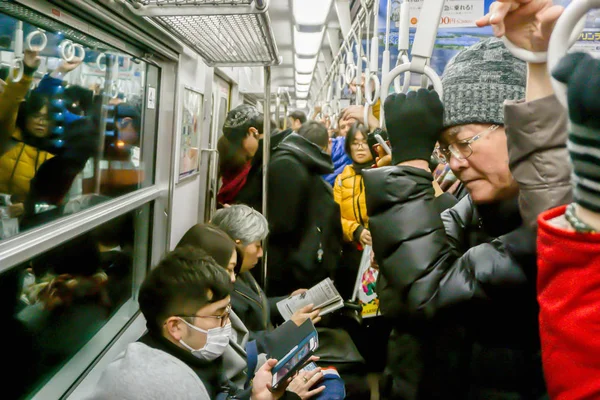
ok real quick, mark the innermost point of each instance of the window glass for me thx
(55, 303)
(70, 128)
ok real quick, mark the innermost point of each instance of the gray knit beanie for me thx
(478, 80)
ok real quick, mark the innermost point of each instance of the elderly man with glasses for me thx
(460, 286)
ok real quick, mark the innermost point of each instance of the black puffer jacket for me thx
(460, 287)
(305, 239)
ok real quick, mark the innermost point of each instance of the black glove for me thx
(581, 73)
(414, 122)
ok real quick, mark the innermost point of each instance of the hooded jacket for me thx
(339, 157)
(251, 193)
(304, 220)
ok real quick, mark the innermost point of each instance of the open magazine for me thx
(324, 296)
(364, 289)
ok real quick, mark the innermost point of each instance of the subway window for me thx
(71, 124)
(56, 302)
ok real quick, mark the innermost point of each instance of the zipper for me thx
(360, 218)
(320, 252)
(260, 304)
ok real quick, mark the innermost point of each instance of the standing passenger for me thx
(304, 220)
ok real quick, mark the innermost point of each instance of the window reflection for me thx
(56, 302)
(70, 125)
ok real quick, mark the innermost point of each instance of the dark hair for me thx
(357, 127)
(315, 132)
(236, 134)
(34, 103)
(231, 158)
(125, 110)
(215, 242)
(299, 115)
(186, 280)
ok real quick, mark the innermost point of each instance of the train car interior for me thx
(324, 144)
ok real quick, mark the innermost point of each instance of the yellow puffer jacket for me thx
(349, 193)
(19, 162)
(376, 107)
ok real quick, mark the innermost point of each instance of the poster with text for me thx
(191, 120)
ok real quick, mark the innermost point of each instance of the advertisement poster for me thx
(456, 13)
(191, 120)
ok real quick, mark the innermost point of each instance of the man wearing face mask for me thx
(186, 303)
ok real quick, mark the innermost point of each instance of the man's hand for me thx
(31, 59)
(261, 384)
(67, 66)
(526, 23)
(297, 292)
(357, 113)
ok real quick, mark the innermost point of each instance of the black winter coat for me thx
(251, 193)
(305, 239)
(460, 288)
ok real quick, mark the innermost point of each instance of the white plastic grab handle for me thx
(101, 67)
(541, 57)
(350, 73)
(19, 66)
(559, 46)
(400, 69)
(80, 58)
(406, 85)
(29, 40)
(372, 94)
(67, 50)
(341, 79)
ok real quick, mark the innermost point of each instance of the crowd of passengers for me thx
(49, 131)
(483, 221)
(47, 135)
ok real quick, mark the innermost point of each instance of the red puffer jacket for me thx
(569, 298)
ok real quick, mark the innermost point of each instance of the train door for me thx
(220, 102)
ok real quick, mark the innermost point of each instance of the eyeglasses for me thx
(221, 318)
(359, 145)
(461, 149)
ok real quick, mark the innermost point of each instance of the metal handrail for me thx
(421, 52)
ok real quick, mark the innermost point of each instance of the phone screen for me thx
(289, 364)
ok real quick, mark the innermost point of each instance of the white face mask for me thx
(217, 340)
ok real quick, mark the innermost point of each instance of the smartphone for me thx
(294, 360)
(311, 366)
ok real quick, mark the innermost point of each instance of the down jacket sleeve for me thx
(424, 262)
(538, 156)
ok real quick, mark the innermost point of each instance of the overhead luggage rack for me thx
(223, 32)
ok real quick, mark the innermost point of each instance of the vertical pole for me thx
(266, 157)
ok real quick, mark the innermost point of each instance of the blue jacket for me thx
(339, 157)
(53, 87)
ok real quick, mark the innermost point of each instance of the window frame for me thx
(152, 222)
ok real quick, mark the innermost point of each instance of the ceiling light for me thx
(305, 65)
(308, 43)
(302, 95)
(303, 79)
(311, 12)
(302, 88)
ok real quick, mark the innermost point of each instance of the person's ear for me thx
(175, 328)
(253, 131)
